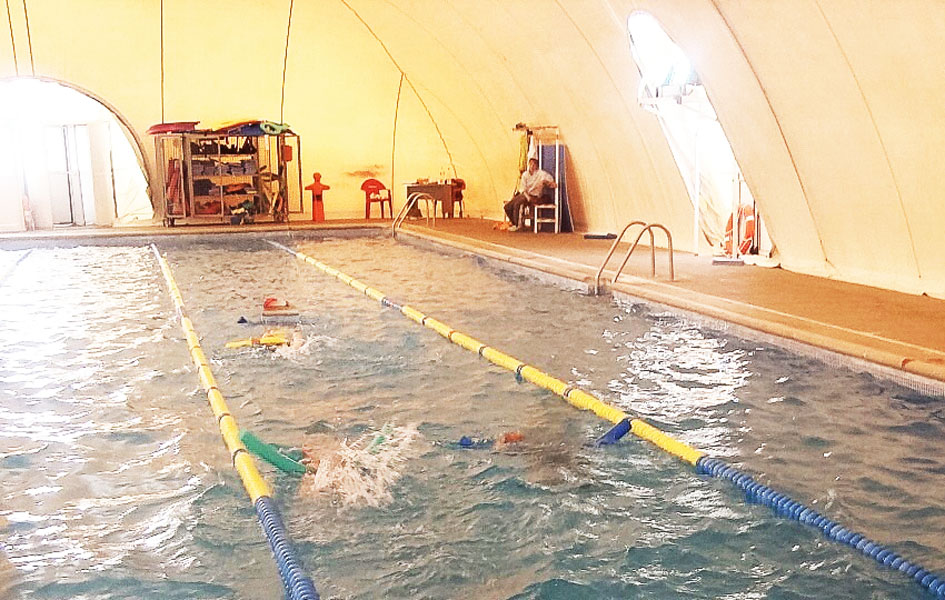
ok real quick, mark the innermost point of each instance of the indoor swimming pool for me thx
(116, 483)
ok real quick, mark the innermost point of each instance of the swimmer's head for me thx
(310, 458)
(512, 437)
(316, 448)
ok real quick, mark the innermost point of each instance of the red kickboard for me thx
(175, 127)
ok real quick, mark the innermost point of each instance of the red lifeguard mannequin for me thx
(317, 187)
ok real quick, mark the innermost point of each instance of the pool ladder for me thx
(647, 228)
(412, 200)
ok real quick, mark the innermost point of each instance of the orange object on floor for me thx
(317, 187)
(746, 230)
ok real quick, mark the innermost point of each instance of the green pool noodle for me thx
(271, 454)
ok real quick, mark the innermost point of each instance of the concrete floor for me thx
(903, 335)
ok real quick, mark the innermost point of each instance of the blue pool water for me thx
(116, 483)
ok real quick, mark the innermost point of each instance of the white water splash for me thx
(299, 345)
(359, 472)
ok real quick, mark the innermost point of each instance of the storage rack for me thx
(228, 178)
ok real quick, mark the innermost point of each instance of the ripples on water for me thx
(116, 484)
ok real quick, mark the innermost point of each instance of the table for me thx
(440, 192)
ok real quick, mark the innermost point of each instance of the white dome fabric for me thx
(834, 110)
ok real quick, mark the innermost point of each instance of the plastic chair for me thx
(532, 215)
(546, 211)
(374, 191)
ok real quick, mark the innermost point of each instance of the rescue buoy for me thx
(746, 230)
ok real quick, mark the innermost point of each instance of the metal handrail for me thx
(610, 253)
(669, 241)
(647, 228)
(411, 201)
(401, 215)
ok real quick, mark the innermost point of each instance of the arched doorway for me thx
(66, 160)
(724, 213)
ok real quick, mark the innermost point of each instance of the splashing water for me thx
(360, 472)
(299, 345)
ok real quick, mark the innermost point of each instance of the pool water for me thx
(116, 483)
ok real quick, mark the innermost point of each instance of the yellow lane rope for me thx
(575, 397)
(255, 485)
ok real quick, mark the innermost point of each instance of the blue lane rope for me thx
(8, 272)
(299, 586)
(785, 506)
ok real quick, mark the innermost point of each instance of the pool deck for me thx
(902, 334)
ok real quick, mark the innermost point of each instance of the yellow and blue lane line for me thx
(298, 585)
(755, 492)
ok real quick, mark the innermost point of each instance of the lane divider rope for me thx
(755, 492)
(783, 505)
(574, 396)
(298, 585)
(9, 271)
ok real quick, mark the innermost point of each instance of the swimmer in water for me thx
(316, 448)
(359, 472)
(296, 345)
(504, 441)
(548, 460)
(508, 439)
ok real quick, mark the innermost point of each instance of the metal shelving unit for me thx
(227, 178)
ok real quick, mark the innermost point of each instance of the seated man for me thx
(533, 184)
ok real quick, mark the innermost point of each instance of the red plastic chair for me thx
(374, 191)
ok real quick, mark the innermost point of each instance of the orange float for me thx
(746, 230)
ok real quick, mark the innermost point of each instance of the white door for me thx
(65, 190)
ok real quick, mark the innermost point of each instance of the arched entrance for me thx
(724, 213)
(66, 159)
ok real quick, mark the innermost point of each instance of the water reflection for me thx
(93, 473)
